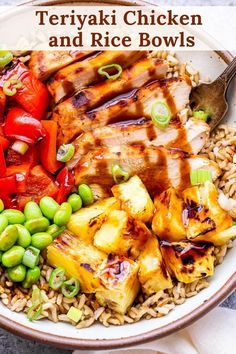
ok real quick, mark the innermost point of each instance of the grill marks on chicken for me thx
(74, 77)
(158, 167)
(130, 105)
(68, 113)
(45, 63)
(190, 137)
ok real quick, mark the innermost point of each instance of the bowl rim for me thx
(84, 344)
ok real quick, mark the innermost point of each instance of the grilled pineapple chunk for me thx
(87, 221)
(153, 274)
(167, 222)
(204, 218)
(188, 262)
(79, 259)
(135, 199)
(121, 234)
(118, 275)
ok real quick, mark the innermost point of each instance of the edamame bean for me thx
(8, 237)
(24, 237)
(32, 276)
(3, 222)
(41, 240)
(1, 205)
(55, 230)
(63, 214)
(32, 211)
(49, 207)
(13, 256)
(17, 273)
(75, 201)
(86, 194)
(14, 216)
(37, 225)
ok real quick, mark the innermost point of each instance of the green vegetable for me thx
(5, 58)
(36, 308)
(201, 115)
(8, 237)
(14, 216)
(65, 152)
(17, 273)
(31, 257)
(200, 176)
(55, 230)
(1, 205)
(3, 222)
(13, 256)
(11, 86)
(20, 146)
(102, 71)
(32, 211)
(41, 240)
(1, 253)
(75, 201)
(74, 314)
(24, 237)
(86, 194)
(118, 174)
(63, 214)
(49, 207)
(70, 288)
(56, 278)
(32, 276)
(37, 225)
(161, 114)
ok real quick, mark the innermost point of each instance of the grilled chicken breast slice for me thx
(45, 63)
(190, 137)
(137, 75)
(159, 168)
(79, 75)
(132, 105)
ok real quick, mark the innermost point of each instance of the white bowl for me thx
(97, 336)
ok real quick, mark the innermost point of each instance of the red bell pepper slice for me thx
(33, 96)
(39, 184)
(31, 157)
(4, 143)
(66, 183)
(2, 105)
(8, 187)
(21, 172)
(48, 147)
(23, 126)
(3, 166)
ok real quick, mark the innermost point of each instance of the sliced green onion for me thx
(118, 174)
(200, 176)
(11, 86)
(234, 158)
(161, 114)
(31, 257)
(102, 71)
(74, 314)
(36, 308)
(70, 288)
(20, 146)
(201, 115)
(65, 152)
(5, 58)
(56, 278)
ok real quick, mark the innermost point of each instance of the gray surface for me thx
(11, 344)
